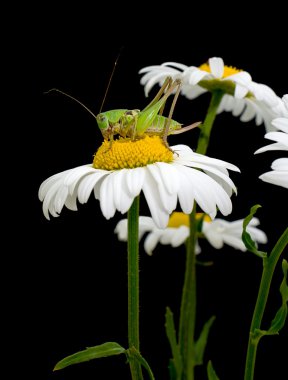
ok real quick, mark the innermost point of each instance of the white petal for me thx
(153, 81)
(49, 182)
(278, 137)
(167, 235)
(169, 177)
(238, 107)
(280, 164)
(134, 179)
(192, 92)
(214, 239)
(243, 78)
(121, 230)
(75, 175)
(240, 91)
(223, 201)
(216, 66)
(87, 184)
(107, 197)
(48, 200)
(276, 146)
(149, 69)
(276, 178)
(186, 192)
(71, 201)
(169, 200)
(179, 66)
(281, 123)
(122, 198)
(196, 76)
(60, 199)
(234, 241)
(257, 235)
(151, 241)
(180, 236)
(202, 190)
(158, 213)
(248, 114)
(218, 173)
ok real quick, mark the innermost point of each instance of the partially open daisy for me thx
(123, 168)
(218, 232)
(242, 96)
(279, 174)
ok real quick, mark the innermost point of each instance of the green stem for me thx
(206, 128)
(188, 304)
(133, 287)
(269, 264)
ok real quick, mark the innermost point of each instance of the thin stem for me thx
(206, 128)
(188, 304)
(133, 287)
(269, 264)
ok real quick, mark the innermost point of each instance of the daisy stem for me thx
(269, 264)
(188, 304)
(206, 128)
(133, 288)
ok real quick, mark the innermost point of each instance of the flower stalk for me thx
(188, 304)
(133, 288)
(206, 128)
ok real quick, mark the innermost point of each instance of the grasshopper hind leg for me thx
(177, 84)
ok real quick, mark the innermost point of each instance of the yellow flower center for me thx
(228, 70)
(125, 153)
(178, 219)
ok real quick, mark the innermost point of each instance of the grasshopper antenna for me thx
(110, 79)
(71, 97)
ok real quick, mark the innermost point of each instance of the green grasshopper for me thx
(135, 123)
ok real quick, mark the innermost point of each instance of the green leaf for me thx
(101, 351)
(281, 315)
(246, 237)
(176, 361)
(211, 372)
(202, 341)
(279, 320)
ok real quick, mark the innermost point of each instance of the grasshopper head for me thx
(103, 123)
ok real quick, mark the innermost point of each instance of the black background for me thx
(71, 271)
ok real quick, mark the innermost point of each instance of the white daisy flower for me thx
(123, 168)
(218, 232)
(242, 96)
(279, 175)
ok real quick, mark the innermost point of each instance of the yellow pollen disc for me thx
(125, 153)
(178, 219)
(228, 70)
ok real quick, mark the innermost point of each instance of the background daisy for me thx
(218, 232)
(242, 96)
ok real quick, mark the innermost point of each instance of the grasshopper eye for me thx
(101, 117)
